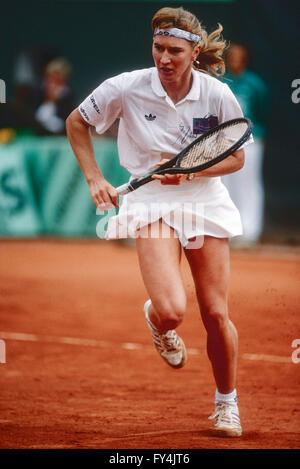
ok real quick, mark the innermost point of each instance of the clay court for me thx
(81, 370)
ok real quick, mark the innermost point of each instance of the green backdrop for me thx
(43, 190)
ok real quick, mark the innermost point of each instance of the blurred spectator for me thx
(246, 186)
(42, 95)
(55, 100)
(18, 113)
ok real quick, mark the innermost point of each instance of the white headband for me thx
(181, 33)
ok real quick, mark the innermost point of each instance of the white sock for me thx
(230, 398)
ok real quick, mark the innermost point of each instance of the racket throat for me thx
(125, 189)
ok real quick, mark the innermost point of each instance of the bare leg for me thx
(210, 269)
(159, 260)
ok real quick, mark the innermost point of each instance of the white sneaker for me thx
(168, 344)
(227, 420)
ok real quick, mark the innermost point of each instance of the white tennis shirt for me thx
(151, 125)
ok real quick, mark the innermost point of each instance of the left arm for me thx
(231, 164)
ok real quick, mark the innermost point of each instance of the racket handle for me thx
(124, 189)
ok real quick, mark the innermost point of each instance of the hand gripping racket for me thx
(207, 150)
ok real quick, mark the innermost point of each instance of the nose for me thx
(165, 58)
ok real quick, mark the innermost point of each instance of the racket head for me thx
(211, 147)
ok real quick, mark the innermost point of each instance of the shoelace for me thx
(225, 414)
(167, 341)
(170, 341)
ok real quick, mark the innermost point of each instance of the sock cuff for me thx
(230, 397)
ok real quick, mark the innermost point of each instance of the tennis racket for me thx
(206, 151)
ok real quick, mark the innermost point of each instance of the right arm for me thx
(78, 132)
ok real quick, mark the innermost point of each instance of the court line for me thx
(267, 358)
(153, 433)
(127, 437)
(20, 336)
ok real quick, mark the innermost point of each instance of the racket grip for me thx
(124, 189)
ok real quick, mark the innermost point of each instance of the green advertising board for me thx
(43, 190)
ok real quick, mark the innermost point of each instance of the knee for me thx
(215, 319)
(170, 314)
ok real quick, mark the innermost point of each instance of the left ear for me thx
(196, 52)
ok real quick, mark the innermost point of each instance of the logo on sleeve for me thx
(204, 124)
(95, 106)
(81, 109)
(150, 117)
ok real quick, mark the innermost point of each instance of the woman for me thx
(161, 110)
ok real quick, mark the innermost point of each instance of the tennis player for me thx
(161, 110)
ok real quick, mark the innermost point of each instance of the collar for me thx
(193, 94)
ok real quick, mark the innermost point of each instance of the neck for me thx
(178, 89)
(237, 73)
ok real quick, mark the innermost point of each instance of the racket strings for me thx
(211, 147)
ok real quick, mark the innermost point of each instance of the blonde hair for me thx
(212, 45)
(58, 65)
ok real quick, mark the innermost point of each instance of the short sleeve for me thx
(104, 105)
(229, 106)
(230, 109)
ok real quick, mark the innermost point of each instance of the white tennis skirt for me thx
(192, 209)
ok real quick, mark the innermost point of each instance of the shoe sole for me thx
(227, 432)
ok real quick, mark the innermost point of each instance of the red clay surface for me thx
(109, 394)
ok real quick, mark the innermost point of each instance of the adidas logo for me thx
(150, 117)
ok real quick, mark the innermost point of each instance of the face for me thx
(173, 57)
(53, 83)
(236, 59)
